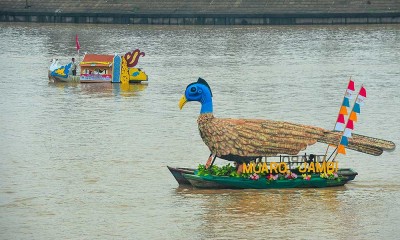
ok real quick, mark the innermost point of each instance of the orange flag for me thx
(341, 149)
(343, 110)
(353, 116)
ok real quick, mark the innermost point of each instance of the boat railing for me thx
(294, 161)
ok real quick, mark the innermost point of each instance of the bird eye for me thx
(193, 89)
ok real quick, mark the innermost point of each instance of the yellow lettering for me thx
(319, 168)
(257, 168)
(264, 168)
(249, 168)
(303, 170)
(284, 170)
(311, 167)
(330, 167)
(273, 166)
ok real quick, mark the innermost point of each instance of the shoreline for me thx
(202, 18)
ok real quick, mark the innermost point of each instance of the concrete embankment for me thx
(202, 12)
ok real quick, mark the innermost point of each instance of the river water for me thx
(88, 161)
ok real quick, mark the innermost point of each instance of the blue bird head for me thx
(198, 91)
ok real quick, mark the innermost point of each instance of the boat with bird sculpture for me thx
(100, 68)
(245, 141)
(217, 179)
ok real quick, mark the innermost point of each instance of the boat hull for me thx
(78, 79)
(178, 174)
(347, 172)
(244, 183)
(72, 79)
(186, 176)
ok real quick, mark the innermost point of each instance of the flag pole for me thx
(78, 47)
(349, 85)
(341, 148)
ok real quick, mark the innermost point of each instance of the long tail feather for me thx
(360, 143)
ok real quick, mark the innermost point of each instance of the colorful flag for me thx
(344, 141)
(340, 122)
(341, 149)
(353, 116)
(78, 46)
(350, 124)
(346, 102)
(363, 92)
(350, 86)
(343, 110)
(356, 108)
(347, 132)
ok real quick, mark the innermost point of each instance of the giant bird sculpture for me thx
(243, 140)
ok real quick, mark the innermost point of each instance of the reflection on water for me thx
(243, 213)
(102, 89)
(279, 202)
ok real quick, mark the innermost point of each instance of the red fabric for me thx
(351, 85)
(340, 118)
(350, 125)
(78, 46)
(363, 92)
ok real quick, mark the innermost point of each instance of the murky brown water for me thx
(89, 161)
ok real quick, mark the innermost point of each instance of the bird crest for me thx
(201, 81)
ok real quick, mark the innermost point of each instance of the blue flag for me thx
(356, 107)
(344, 141)
(346, 102)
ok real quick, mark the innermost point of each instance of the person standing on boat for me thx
(73, 67)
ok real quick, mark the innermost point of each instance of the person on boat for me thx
(73, 67)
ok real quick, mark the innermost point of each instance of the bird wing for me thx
(254, 138)
(248, 137)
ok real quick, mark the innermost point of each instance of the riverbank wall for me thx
(203, 12)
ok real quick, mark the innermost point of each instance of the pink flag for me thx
(78, 46)
(363, 92)
(350, 125)
(350, 86)
(340, 118)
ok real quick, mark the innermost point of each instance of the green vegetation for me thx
(227, 170)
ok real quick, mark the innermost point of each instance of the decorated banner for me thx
(344, 141)
(340, 122)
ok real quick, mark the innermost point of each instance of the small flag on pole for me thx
(340, 122)
(78, 46)
(341, 149)
(350, 86)
(344, 141)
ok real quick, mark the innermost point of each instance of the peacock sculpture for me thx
(243, 140)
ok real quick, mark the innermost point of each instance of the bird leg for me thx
(210, 161)
(240, 168)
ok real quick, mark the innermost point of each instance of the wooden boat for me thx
(99, 68)
(348, 172)
(209, 181)
(178, 174)
(187, 176)
(226, 177)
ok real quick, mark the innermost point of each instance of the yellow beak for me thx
(182, 102)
